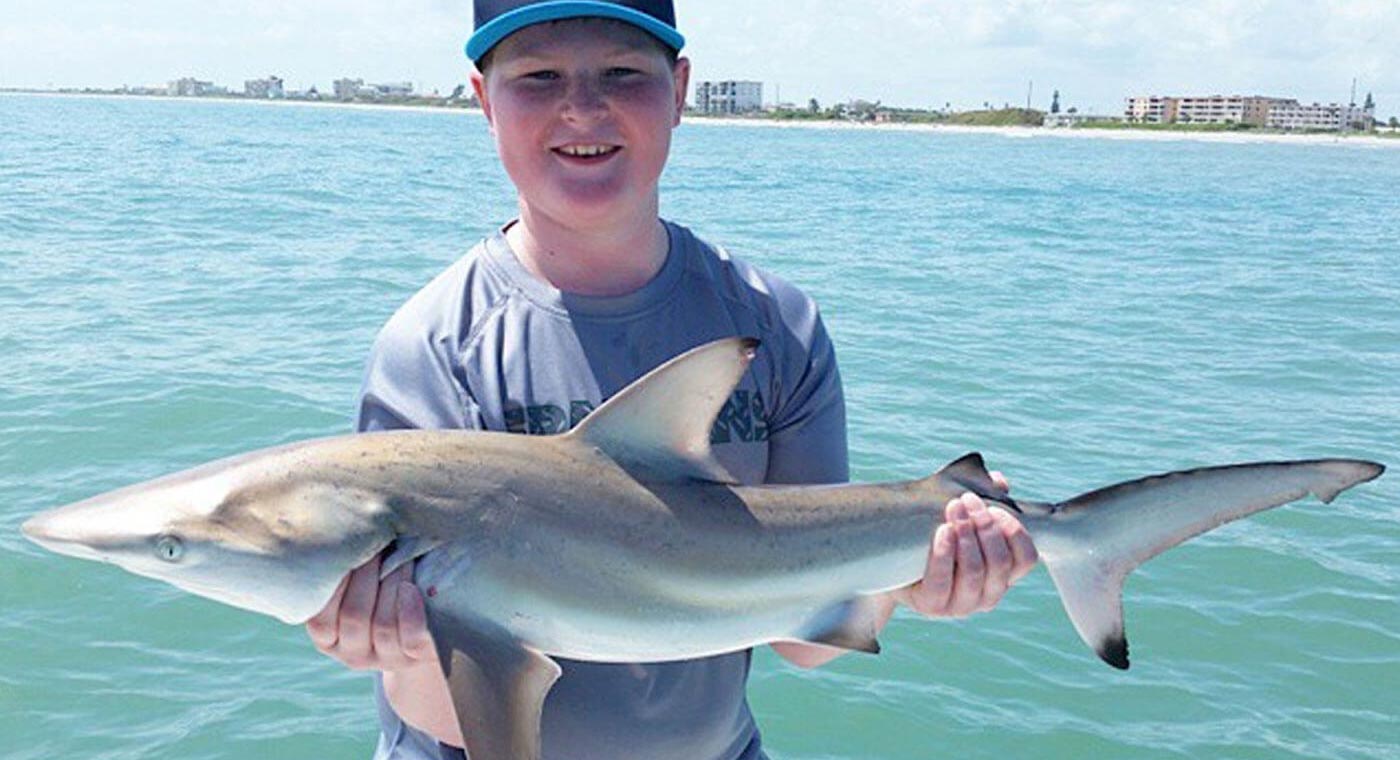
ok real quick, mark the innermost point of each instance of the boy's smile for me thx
(582, 111)
(588, 151)
(587, 154)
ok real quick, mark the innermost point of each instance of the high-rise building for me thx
(347, 89)
(728, 97)
(264, 88)
(1259, 111)
(189, 87)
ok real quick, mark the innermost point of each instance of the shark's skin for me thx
(620, 541)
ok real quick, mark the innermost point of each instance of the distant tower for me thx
(1055, 103)
(1370, 102)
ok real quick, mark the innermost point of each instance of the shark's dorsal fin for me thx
(658, 427)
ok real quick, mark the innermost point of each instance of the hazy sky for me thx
(904, 52)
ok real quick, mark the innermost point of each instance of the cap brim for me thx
(506, 24)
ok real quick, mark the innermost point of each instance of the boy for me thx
(586, 291)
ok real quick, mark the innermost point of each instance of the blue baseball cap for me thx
(498, 19)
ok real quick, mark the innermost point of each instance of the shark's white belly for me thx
(621, 612)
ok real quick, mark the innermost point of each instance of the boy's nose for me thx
(584, 99)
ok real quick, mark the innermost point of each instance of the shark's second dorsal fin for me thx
(659, 426)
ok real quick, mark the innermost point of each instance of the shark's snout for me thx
(44, 529)
(33, 529)
(65, 531)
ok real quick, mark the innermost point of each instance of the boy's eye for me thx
(542, 76)
(622, 71)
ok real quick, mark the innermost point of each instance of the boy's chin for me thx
(601, 205)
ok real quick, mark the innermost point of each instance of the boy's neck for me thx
(607, 261)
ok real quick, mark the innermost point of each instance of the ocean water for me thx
(185, 280)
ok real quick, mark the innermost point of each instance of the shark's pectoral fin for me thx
(849, 624)
(498, 686)
(658, 428)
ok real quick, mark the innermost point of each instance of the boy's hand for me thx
(974, 557)
(375, 625)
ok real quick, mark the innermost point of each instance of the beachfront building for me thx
(1329, 117)
(1222, 109)
(1209, 109)
(1149, 109)
(272, 87)
(347, 89)
(729, 97)
(1076, 119)
(1257, 110)
(189, 87)
(394, 89)
(351, 89)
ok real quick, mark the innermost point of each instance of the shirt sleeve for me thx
(807, 442)
(413, 380)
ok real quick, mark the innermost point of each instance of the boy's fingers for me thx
(970, 573)
(384, 627)
(930, 595)
(324, 626)
(1023, 553)
(356, 615)
(996, 555)
(1000, 480)
(417, 643)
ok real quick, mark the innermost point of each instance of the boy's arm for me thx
(974, 558)
(974, 555)
(377, 625)
(381, 625)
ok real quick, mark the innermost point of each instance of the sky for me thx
(917, 53)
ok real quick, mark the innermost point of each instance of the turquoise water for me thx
(185, 280)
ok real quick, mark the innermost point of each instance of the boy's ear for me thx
(479, 87)
(681, 74)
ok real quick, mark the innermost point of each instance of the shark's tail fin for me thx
(1091, 542)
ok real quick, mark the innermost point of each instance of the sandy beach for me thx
(1077, 133)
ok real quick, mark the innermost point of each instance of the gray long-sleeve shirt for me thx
(487, 345)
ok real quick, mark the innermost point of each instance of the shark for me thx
(622, 540)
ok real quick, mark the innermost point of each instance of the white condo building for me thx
(729, 97)
(272, 87)
(189, 87)
(347, 89)
(1332, 116)
(1147, 109)
(1259, 111)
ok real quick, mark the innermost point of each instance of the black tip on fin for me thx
(973, 460)
(850, 624)
(1114, 651)
(852, 643)
(970, 472)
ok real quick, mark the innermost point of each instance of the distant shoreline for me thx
(1072, 132)
(1360, 140)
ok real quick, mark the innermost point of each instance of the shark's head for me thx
(249, 532)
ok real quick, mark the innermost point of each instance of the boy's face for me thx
(582, 111)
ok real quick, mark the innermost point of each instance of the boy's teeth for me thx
(585, 150)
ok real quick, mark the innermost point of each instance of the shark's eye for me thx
(170, 548)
